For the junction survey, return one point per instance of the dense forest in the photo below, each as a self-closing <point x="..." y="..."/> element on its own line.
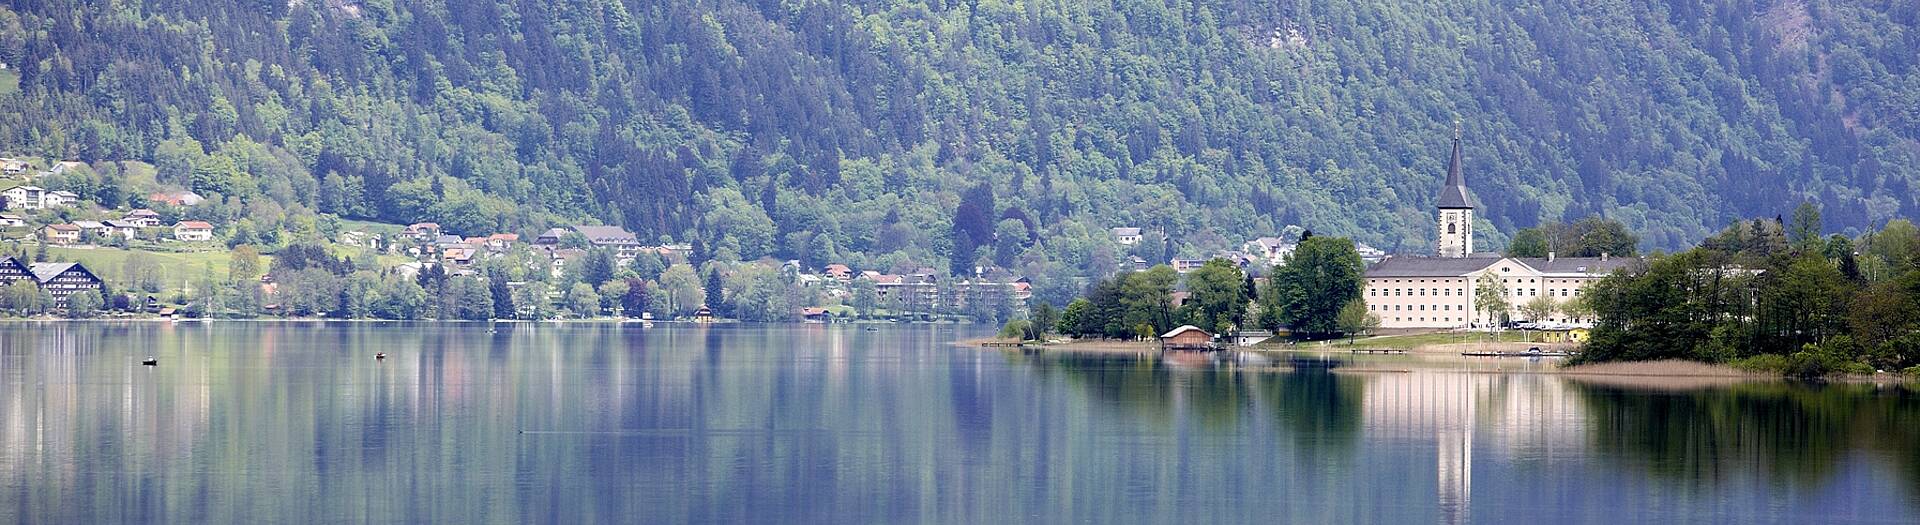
<point x="851" y="130"/>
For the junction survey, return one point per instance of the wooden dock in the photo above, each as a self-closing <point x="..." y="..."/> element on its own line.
<point x="1378" y="351"/>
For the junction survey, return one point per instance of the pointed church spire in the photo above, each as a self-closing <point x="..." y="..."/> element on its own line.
<point x="1454" y="194"/>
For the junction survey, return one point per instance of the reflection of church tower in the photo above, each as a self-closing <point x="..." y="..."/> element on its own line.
<point x="1456" y="212"/>
<point x="1454" y="470"/>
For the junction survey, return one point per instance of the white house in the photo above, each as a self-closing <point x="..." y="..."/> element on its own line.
<point x="23" y="197"/>
<point x="1272" y="250"/>
<point x="56" y="199"/>
<point x="144" y="217"/>
<point x="12" y="221"/>
<point x="1126" y="236"/>
<point x="193" y="231"/>
<point x="126" y="229"/>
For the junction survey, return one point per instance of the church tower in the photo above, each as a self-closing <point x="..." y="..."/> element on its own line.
<point x="1456" y="212"/>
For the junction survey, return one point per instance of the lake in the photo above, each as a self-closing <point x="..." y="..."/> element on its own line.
<point x="581" y="423"/>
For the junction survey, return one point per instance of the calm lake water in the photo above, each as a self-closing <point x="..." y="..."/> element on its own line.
<point x="296" y="422"/>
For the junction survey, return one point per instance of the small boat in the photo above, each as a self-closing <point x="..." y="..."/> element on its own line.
<point x="150" y="361"/>
<point x="380" y="355"/>
<point x="872" y="329"/>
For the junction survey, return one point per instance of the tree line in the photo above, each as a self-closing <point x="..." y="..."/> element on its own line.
<point x="1771" y="294"/>
<point x="1316" y="293"/>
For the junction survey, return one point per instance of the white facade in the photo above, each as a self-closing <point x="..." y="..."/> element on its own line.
<point x="1455" y="237"/>
<point x="23" y="197"/>
<point x="1439" y="292"/>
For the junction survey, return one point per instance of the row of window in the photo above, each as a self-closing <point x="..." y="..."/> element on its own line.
<point x="1410" y="307"/>
<point x="1448" y="292"/>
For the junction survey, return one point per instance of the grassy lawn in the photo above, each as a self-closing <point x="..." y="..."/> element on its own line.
<point x="176" y="269"/>
<point x="1441" y="338"/>
<point x="347" y="225"/>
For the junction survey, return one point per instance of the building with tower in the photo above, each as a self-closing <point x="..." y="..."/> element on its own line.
<point x="1438" y="291"/>
<point x="1455" y="238"/>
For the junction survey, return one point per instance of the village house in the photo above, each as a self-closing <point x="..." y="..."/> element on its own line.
<point x="66" y="166"/>
<point x="1272" y="251"/>
<point x="1439" y="292"/>
<point x="624" y="243"/>
<point x="458" y="255"/>
<point x="61" y="234"/>
<point x="23" y="197"/>
<point x="58" y="199"/>
<point x="1126" y="236"/>
<point x="124" y="229"/>
<point x="9" y="220"/>
<point x="550" y="237"/>
<point x="193" y="231"/>
<point x="144" y="217"/>
<point x="563" y="256"/>
<point x="1187" y="265"/>
<point x="839" y="272"/>
<point x="12" y="166"/>
<point x="501" y="242"/>
<point x="177" y="198"/>
<point x="422" y="231"/>
<point x="93" y="228"/>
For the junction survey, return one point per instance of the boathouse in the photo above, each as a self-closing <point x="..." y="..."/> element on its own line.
<point x="1187" y="337"/>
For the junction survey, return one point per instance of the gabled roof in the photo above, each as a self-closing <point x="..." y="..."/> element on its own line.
<point x="63" y="227"/>
<point x="1430" y="266"/>
<point x="1126" y="232"/>
<point x="89" y="225"/>
<point x="122" y="224"/>
<point x="44" y="272"/>
<point x="1184" y="329"/>
<point x="193" y="225"/>
<point x="1454" y="193"/>
<point x="601" y="234"/>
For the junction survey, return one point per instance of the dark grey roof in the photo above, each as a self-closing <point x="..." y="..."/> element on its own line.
<point x="1576" y="264"/>
<point x="1429" y="266"/>
<point x="606" y="234"/>
<point x="1454" y="194"/>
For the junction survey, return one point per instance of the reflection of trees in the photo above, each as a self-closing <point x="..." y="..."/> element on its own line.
<point x="1321" y="410"/>
<point x="1316" y="407"/>
<point x="1798" y="432"/>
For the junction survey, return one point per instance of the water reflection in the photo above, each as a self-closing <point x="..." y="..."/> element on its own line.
<point x="540" y="423"/>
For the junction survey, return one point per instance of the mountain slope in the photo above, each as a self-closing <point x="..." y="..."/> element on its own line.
<point x="808" y="129"/>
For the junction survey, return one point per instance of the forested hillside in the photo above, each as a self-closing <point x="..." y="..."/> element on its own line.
<point x="850" y="130"/>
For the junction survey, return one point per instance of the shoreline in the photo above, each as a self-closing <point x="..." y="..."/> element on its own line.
<point x="1666" y="374"/>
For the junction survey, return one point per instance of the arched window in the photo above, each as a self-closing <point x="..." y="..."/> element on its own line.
<point x="1450" y="228"/>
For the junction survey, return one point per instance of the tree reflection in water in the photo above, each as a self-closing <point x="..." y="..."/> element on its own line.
<point x="1796" y="433"/>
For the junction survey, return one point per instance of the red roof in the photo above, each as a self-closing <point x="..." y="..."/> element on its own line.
<point x="193" y="225"/>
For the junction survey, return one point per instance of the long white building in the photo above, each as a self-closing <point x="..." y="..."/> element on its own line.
<point x="1438" y="292"/>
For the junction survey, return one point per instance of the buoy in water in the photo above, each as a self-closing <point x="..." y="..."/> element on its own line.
<point x="150" y="361"/>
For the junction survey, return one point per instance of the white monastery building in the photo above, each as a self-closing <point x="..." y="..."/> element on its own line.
<point x="1438" y="292"/>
